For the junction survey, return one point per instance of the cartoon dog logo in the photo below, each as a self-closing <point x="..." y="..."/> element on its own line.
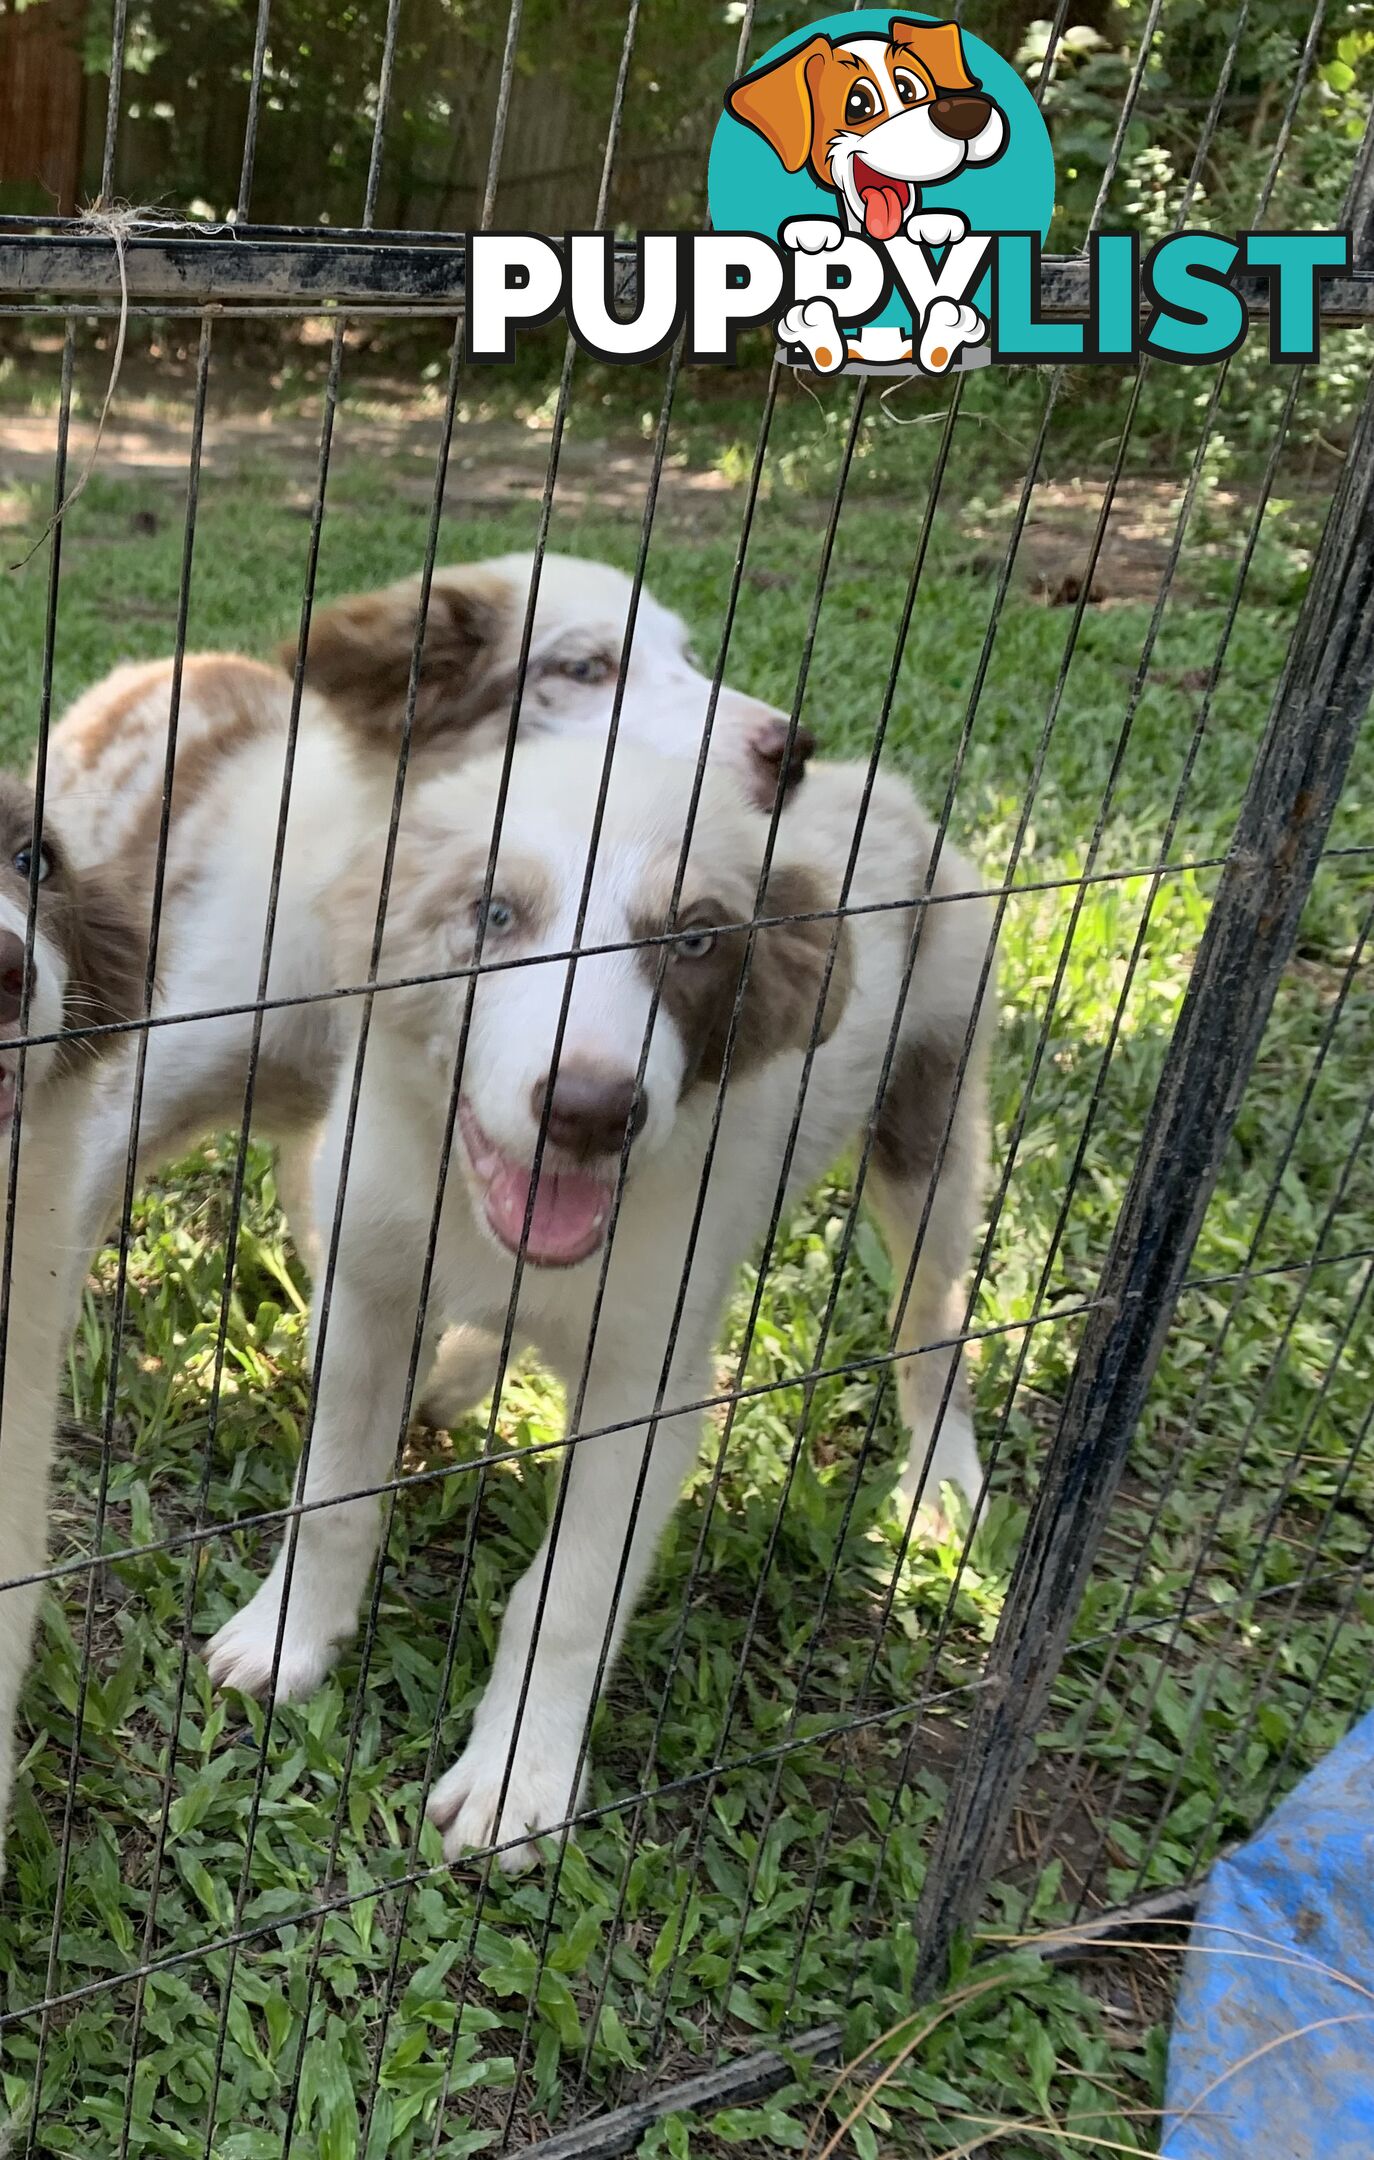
<point x="875" y="120"/>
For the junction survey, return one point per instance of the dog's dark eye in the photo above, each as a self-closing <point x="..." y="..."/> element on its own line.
<point x="595" y="668"/>
<point x="23" y="863"/>
<point x="861" y="104"/>
<point x="906" y="86"/>
<point x="695" y="944"/>
<point x="496" y="916"/>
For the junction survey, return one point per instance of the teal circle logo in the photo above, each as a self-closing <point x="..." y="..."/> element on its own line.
<point x="887" y="128"/>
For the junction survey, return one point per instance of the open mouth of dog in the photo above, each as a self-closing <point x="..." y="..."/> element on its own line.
<point x="572" y="1206"/>
<point x="887" y="203"/>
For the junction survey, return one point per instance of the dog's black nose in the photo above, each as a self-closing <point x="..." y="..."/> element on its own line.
<point x="12" y="976"/>
<point x="591" y="1109"/>
<point x="962" y="114"/>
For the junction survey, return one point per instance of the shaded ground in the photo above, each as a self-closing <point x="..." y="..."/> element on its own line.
<point x="498" y="464"/>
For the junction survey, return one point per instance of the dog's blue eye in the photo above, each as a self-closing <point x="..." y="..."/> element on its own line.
<point x="23" y="863"/>
<point x="497" y="915"/>
<point x="594" y="669"/>
<point x="695" y="944"/>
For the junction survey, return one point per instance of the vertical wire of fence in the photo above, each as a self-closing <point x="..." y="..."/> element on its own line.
<point x="1292" y="796"/>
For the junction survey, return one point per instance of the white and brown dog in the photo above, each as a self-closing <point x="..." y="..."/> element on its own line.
<point x="875" y="120"/>
<point x="106" y="766"/>
<point x="82" y="968"/>
<point x="618" y="1058"/>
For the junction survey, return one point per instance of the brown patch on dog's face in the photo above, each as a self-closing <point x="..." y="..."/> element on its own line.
<point x="360" y="651"/>
<point x="87" y="916"/>
<point x="781" y="754"/>
<point x="821" y="90"/>
<point x="444" y="905"/>
<point x="107" y="958"/>
<point x="433" y="915"/>
<point x="786" y="972"/>
<point x="936" y="49"/>
<point x="848" y="99"/>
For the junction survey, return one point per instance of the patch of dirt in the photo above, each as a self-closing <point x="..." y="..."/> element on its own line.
<point x="1135" y="548"/>
<point x="1135" y="1988"/>
<point x="493" y="462"/>
<point x="1072" y="1826"/>
<point x="496" y="464"/>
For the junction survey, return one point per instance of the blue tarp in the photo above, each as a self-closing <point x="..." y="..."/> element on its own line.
<point x="1272" y="2056"/>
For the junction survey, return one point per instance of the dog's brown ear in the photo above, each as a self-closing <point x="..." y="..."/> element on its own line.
<point x="779" y="754"/>
<point x="777" y="102"/>
<point x="359" y="656"/>
<point x="106" y="939"/>
<point x="787" y="974"/>
<point x="939" y="48"/>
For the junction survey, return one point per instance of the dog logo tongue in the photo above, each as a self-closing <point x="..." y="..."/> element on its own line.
<point x="883" y="207"/>
<point x="885" y="200"/>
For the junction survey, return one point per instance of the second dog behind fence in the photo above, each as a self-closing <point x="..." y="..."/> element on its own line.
<point x="639" y="1053"/>
<point x="69" y="960"/>
<point x="230" y="777"/>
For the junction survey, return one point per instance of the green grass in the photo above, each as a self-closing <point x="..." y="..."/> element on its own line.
<point x="1173" y="1743"/>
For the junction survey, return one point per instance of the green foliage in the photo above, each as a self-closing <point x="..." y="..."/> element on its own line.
<point x="1270" y="158"/>
<point x="188" y="64"/>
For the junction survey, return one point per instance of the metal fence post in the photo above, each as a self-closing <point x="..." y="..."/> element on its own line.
<point x="1322" y="697"/>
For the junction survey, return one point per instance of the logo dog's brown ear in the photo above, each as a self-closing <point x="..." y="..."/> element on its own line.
<point x="777" y="102"/>
<point x="106" y="939"/>
<point x="940" y="50"/>
<point x="359" y="656"/>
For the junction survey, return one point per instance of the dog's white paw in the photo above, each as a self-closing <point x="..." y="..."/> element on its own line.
<point x="243" y="1656"/>
<point x="936" y="228"/>
<point x="541" y="1792"/>
<point x="812" y="235"/>
<point x="464" y="1374"/>
<point x="814" y="325"/>
<point x="932" y="1524"/>
<point x="949" y="326"/>
<point x="944" y="1498"/>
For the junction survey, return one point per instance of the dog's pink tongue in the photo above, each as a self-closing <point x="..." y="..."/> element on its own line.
<point x="569" y="1218"/>
<point x="883" y="207"/>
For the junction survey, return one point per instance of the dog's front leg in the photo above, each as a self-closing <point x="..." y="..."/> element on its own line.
<point x="364" y="1370"/>
<point x="522" y="1771"/>
<point x="24" y="1452"/>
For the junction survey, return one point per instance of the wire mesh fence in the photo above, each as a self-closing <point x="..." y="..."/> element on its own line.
<point x="836" y="1724"/>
